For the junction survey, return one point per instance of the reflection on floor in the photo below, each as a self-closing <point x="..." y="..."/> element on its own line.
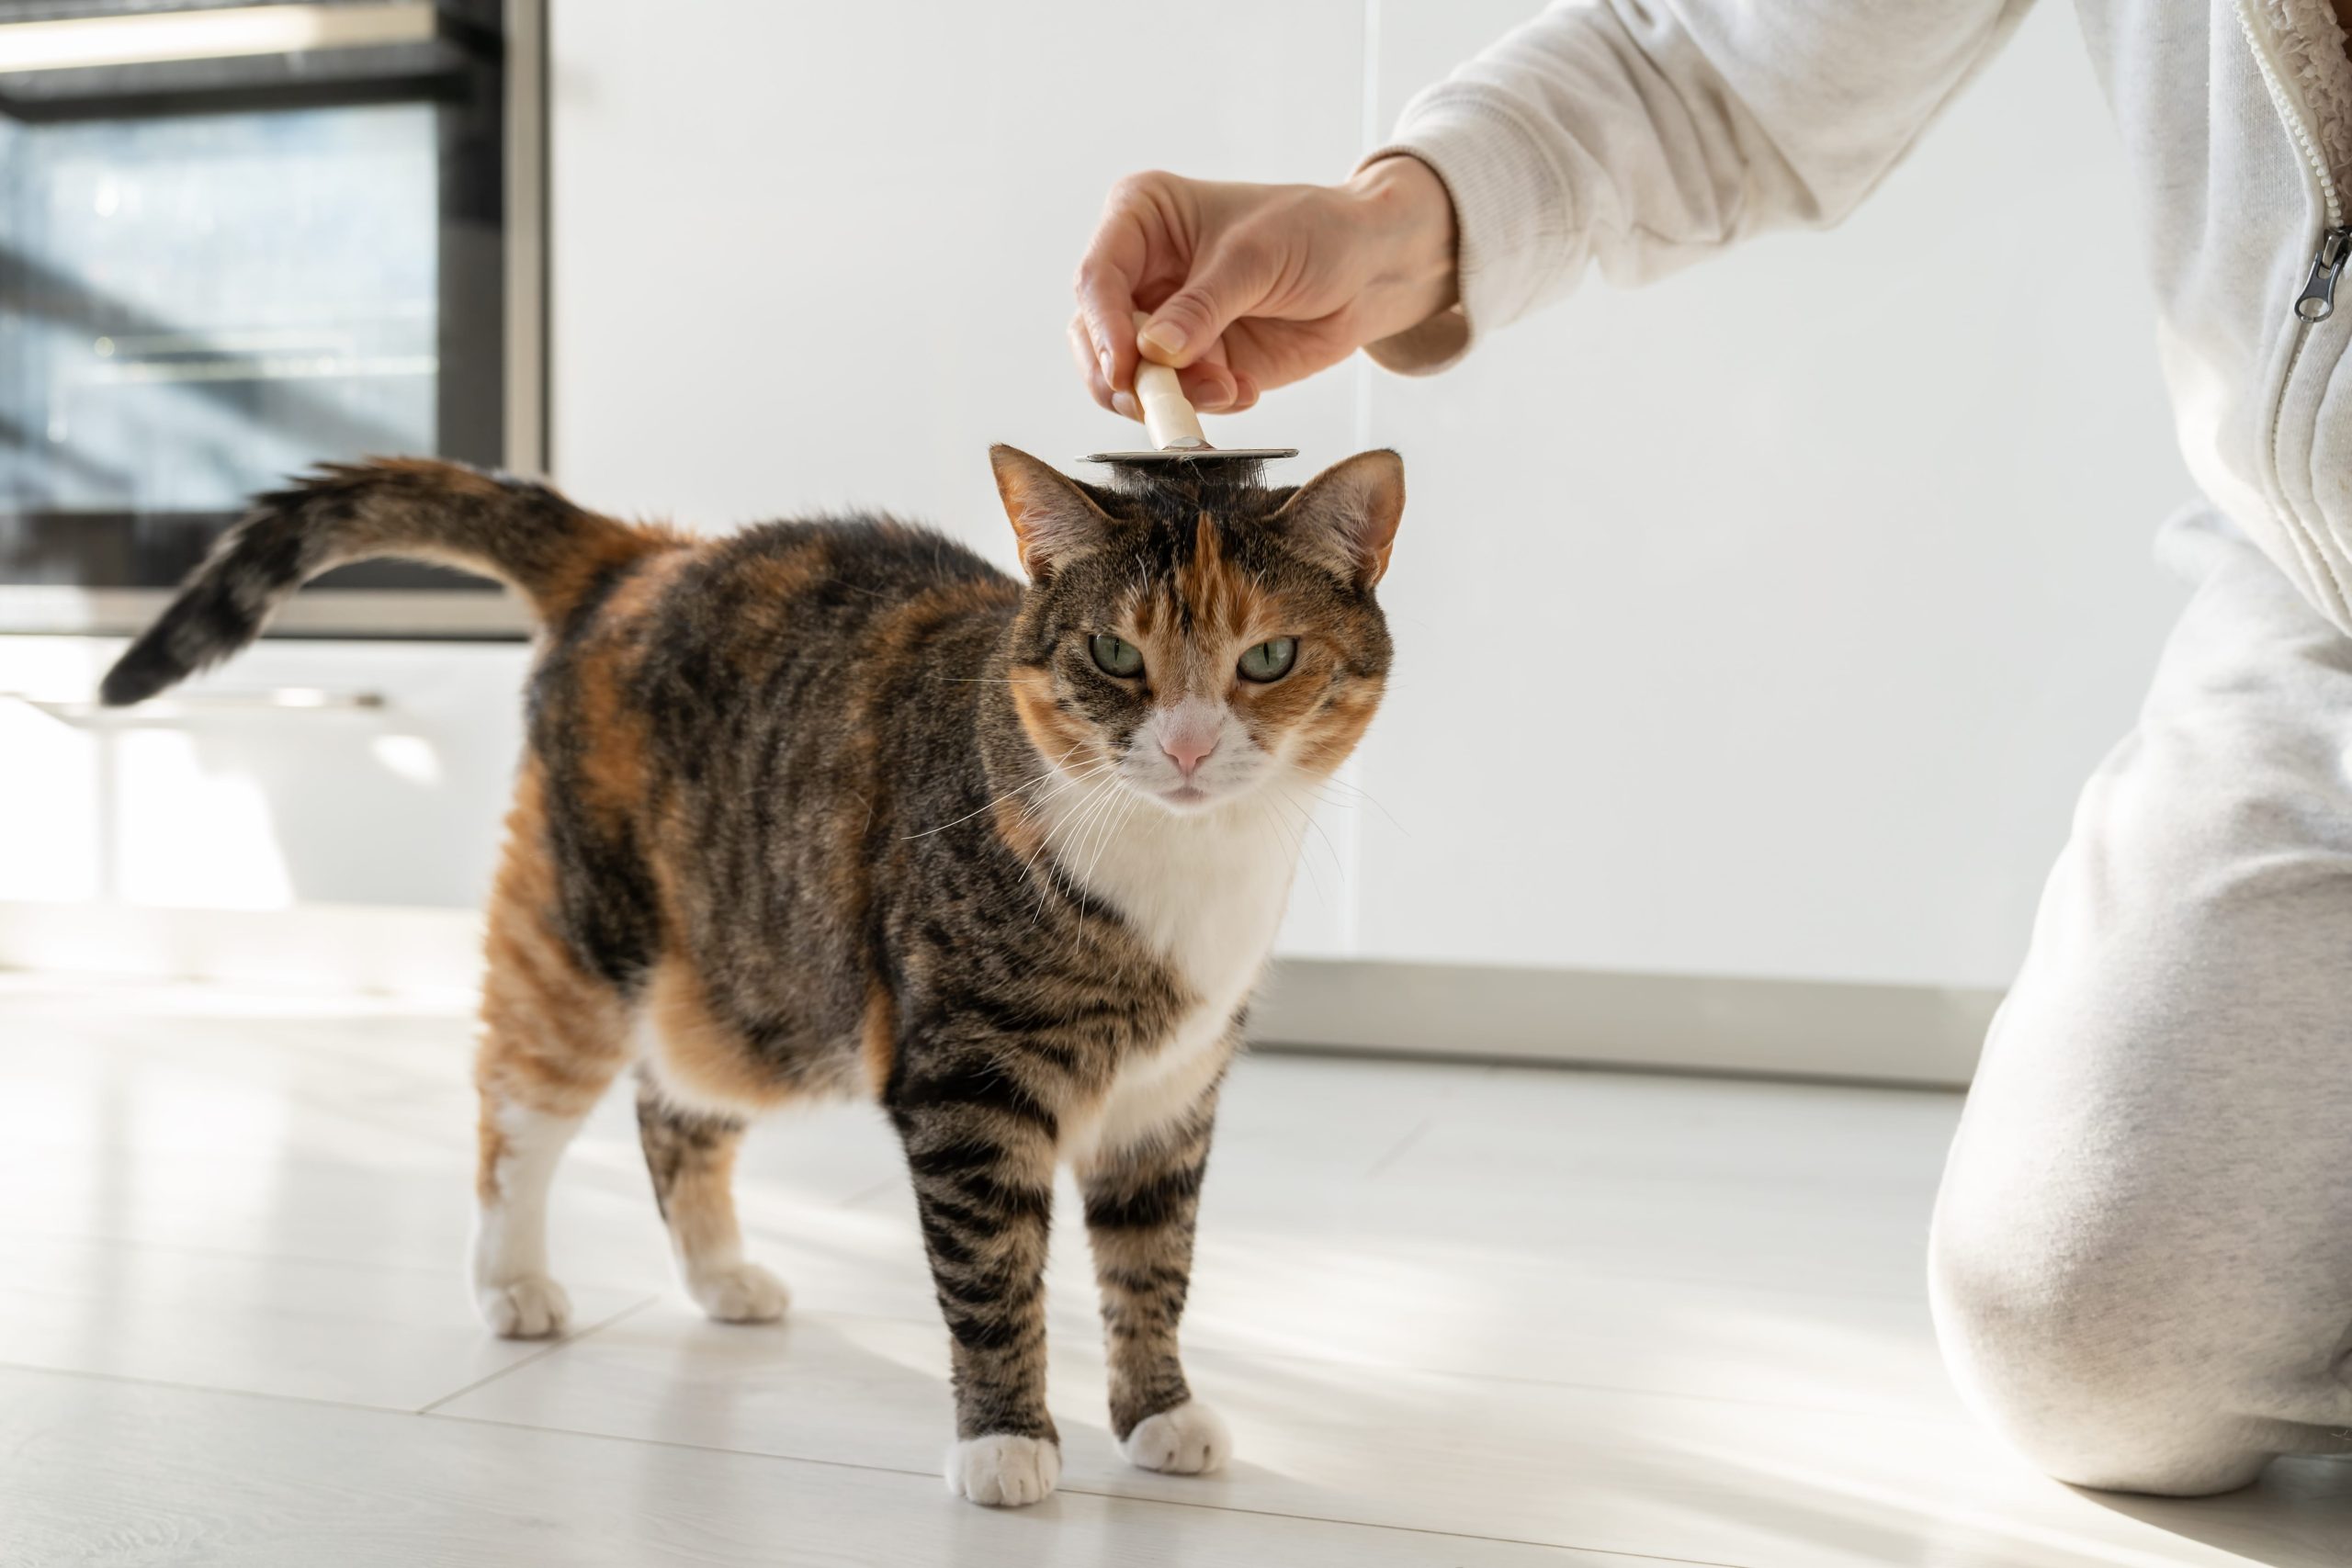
<point x="1455" y="1314"/>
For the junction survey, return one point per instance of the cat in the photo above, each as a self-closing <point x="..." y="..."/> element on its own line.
<point x="837" y="808"/>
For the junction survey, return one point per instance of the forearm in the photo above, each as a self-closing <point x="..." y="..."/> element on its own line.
<point x="1406" y="215"/>
<point x="1639" y="140"/>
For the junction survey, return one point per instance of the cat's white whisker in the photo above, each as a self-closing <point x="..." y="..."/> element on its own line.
<point x="1050" y="770"/>
<point x="1087" y="804"/>
<point x="1098" y="808"/>
<point x="1359" y="794"/>
<point x="1115" y="822"/>
<point x="1311" y="821"/>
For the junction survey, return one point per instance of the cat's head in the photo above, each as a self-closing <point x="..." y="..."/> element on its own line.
<point x="1194" y="632"/>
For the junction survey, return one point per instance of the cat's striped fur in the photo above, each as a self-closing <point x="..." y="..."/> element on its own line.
<point x="836" y="808"/>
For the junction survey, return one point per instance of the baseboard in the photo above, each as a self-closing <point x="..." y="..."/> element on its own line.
<point x="1816" y="1029"/>
<point x="1907" y="1034"/>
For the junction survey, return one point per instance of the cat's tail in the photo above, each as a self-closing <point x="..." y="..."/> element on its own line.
<point x="520" y="532"/>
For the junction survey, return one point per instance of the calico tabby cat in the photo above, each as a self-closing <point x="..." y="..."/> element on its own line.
<point x="837" y="808"/>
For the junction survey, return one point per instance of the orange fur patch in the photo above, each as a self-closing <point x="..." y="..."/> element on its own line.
<point x="700" y="1057"/>
<point x="612" y="760"/>
<point x="608" y="544"/>
<point x="553" y="1035"/>
<point x="493" y="1149"/>
<point x="878" y="1038"/>
<point x="1334" y="732"/>
<point x="779" y="580"/>
<point x="1225" y="602"/>
<point x="700" y="1205"/>
<point x="1059" y="737"/>
<point x="613" y="745"/>
<point x="1226" y="610"/>
<point x="1017" y="826"/>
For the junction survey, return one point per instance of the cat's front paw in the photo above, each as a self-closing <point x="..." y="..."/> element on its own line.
<point x="533" y="1307"/>
<point x="738" y="1293"/>
<point x="1003" y="1470"/>
<point x="1189" y="1439"/>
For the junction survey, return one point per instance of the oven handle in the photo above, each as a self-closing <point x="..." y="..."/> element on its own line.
<point x="139" y="63"/>
<point x="150" y="37"/>
<point x="208" y="704"/>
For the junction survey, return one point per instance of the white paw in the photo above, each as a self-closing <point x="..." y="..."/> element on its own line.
<point x="531" y="1308"/>
<point x="1187" y="1440"/>
<point x="738" y="1293"/>
<point x="1002" y="1470"/>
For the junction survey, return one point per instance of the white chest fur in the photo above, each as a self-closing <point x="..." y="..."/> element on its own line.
<point x="1207" y="892"/>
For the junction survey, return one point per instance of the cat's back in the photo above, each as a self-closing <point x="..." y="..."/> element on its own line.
<point x="791" y="587"/>
<point x="738" y="664"/>
<point x="778" y="623"/>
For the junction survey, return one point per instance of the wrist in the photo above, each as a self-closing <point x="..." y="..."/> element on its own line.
<point x="1407" y="218"/>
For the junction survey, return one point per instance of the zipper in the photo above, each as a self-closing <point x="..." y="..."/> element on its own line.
<point x="2314" y="304"/>
<point x="2317" y="301"/>
<point x="2313" y="159"/>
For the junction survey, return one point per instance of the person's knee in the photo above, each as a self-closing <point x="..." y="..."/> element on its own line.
<point x="2099" y="1374"/>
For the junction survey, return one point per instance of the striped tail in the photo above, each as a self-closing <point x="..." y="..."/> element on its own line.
<point x="522" y="533"/>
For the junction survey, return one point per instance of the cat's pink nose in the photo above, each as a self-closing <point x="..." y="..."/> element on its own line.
<point x="1188" y="747"/>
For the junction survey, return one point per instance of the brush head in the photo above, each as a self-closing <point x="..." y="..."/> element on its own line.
<point x="1233" y="486"/>
<point x="1195" y="454"/>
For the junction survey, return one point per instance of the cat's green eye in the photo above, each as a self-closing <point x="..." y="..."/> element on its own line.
<point x="1115" y="656"/>
<point x="1270" y="661"/>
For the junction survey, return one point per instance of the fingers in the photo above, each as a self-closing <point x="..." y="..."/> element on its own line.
<point x="1226" y="284"/>
<point x="1107" y="277"/>
<point x="1153" y="238"/>
<point x="1090" y="366"/>
<point x="1209" y="385"/>
<point x="1207" y="392"/>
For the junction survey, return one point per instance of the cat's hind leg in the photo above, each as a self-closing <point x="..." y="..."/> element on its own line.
<point x="691" y="1157"/>
<point x="553" y="1038"/>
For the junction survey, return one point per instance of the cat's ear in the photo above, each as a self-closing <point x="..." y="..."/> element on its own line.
<point x="1345" y="517"/>
<point x="1052" y="516"/>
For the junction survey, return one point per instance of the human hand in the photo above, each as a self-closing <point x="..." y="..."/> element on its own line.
<point x="1251" y="287"/>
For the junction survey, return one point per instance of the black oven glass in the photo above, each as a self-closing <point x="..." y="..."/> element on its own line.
<point x="214" y="279"/>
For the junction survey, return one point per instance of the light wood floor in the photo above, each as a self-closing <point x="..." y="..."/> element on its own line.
<point x="1455" y="1314"/>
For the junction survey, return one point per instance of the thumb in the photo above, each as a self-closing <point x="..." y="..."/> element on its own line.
<point x="1226" y="286"/>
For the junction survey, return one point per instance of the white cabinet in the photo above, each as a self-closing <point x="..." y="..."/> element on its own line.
<point x="302" y="772"/>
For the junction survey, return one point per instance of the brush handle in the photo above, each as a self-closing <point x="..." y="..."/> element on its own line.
<point x="1167" y="415"/>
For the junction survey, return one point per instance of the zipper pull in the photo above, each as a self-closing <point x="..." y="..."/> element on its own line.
<point x="2317" y="301"/>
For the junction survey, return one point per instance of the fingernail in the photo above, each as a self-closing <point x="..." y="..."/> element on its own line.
<point x="1210" y="401"/>
<point x="1164" y="337"/>
<point x="1102" y="357"/>
<point x="1124" y="402"/>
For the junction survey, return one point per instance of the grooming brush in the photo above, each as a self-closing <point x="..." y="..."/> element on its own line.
<point x="1175" y="429"/>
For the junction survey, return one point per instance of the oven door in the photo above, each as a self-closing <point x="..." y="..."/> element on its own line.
<point x="238" y="240"/>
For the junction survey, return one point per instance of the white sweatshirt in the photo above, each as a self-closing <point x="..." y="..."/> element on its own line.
<point x="1642" y="134"/>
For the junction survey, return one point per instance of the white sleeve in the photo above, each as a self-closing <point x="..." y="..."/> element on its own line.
<point x="1642" y="134"/>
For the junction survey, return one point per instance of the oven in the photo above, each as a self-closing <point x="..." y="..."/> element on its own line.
<point x="239" y="240"/>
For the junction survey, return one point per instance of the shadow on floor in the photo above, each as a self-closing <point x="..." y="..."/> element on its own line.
<point x="2299" y="1512"/>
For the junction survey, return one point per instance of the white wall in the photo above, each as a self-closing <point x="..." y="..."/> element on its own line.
<point x="1823" y="569"/>
<point x="1759" y="624"/>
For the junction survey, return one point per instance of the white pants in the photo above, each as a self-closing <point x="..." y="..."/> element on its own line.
<point x="2142" y="1263"/>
